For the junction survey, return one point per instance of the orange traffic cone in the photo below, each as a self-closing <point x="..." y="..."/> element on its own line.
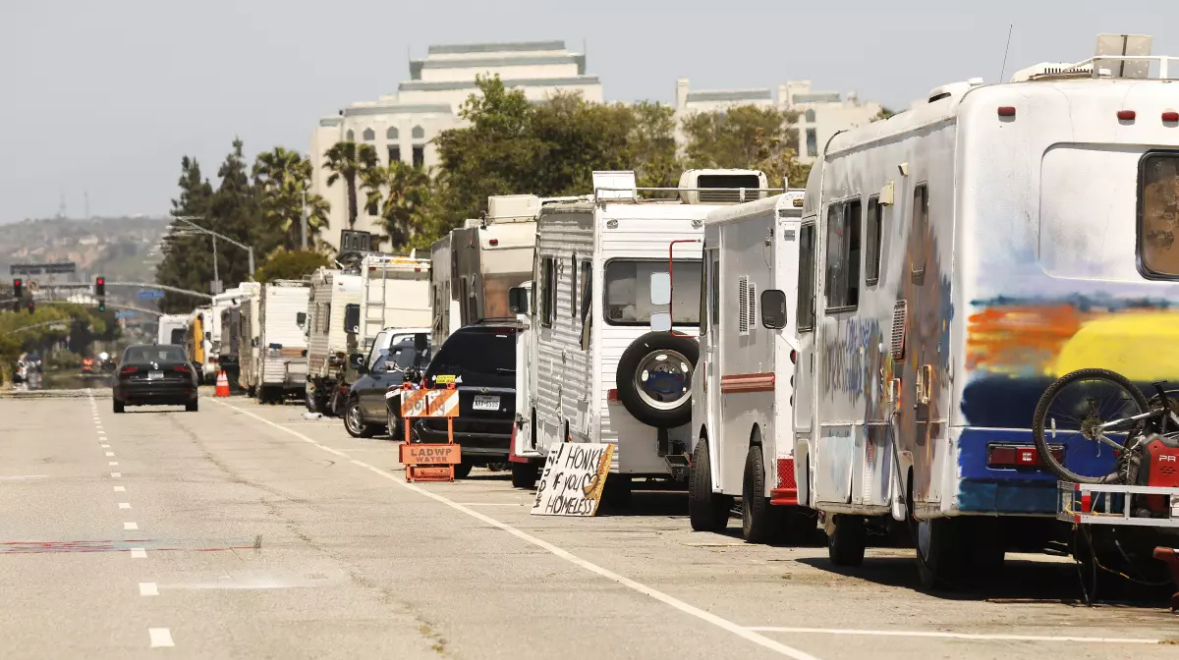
<point x="222" y="384"/>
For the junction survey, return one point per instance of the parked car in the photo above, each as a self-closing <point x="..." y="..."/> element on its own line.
<point x="480" y="359"/>
<point x="365" y="413"/>
<point x="155" y="375"/>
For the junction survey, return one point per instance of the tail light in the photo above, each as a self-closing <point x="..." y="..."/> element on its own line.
<point x="183" y="368"/>
<point x="127" y="371"/>
<point x="1016" y="456"/>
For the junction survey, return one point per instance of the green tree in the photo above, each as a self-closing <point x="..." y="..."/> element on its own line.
<point x="403" y="197"/>
<point x="652" y="145"/>
<point x="294" y="265"/>
<point x="183" y="253"/>
<point x="348" y="161"/>
<point x="747" y="136"/>
<point x="884" y="113"/>
<point x="282" y="179"/>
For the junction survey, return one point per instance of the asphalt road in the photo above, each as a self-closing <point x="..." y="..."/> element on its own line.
<point x="246" y="531"/>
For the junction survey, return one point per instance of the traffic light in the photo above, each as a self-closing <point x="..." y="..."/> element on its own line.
<point x="18" y="288"/>
<point x="101" y="305"/>
<point x="100" y="286"/>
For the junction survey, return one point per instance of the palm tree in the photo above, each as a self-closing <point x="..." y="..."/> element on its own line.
<point x="283" y="178"/>
<point x="407" y="203"/>
<point x="347" y="160"/>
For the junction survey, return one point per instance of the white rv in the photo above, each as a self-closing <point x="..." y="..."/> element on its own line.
<point x="172" y="329"/>
<point x="742" y="394"/>
<point x="248" y="330"/>
<point x="395" y="291"/>
<point x="967" y="252"/>
<point x="282" y="342"/>
<point x="477" y="264"/>
<point x="603" y="374"/>
<point x="329" y="342"/>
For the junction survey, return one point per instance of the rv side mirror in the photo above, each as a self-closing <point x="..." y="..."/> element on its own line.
<point x="773" y="309"/>
<point x="301" y="320"/>
<point x="660" y="289"/>
<point x="352" y="319"/>
<point x="421" y="342"/>
<point x="518" y="300"/>
<point x="660" y="322"/>
<point x="208" y="336"/>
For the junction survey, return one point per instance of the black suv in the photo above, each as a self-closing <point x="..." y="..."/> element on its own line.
<point x="480" y="360"/>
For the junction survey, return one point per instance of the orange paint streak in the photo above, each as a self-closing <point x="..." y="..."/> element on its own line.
<point x="1011" y="339"/>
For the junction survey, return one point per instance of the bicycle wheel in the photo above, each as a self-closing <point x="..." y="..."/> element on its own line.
<point x="1078" y="405"/>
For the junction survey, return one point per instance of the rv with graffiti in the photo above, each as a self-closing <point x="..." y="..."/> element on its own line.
<point x="742" y="395"/>
<point x="967" y="253"/>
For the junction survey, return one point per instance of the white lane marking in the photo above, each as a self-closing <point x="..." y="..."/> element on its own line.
<point x="138" y="553"/>
<point x="124" y="505"/>
<point x="160" y="637"/>
<point x="24" y="477"/>
<point x="120" y="489"/>
<point x="130" y="526"/>
<point x="110" y="454"/>
<point x="116" y="475"/>
<point x="951" y="635"/>
<point x="488" y="504"/>
<point x="709" y="617"/>
<point x="113" y="463"/>
<point x="105" y="446"/>
<point x="148" y="589"/>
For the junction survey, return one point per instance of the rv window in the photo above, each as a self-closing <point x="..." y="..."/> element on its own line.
<point x="874" y="240"/>
<point x="549" y="302"/>
<point x="586" y="289"/>
<point x="627" y="298"/>
<point x="806" y="278"/>
<point x="920" y="228"/>
<point x="1158" y="214"/>
<point x="704" y="299"/>
<point x="573" y="286"/>
<point x="178" y="336"/>
<point x="714" y="289"/>
<point x="843" y="255"/>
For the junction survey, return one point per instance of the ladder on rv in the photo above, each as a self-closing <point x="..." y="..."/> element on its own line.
<point x="375" y="294"/>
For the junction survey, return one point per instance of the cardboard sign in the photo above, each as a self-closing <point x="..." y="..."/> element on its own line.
<point x="429" y="403"/>
<point x="419" y="454"/>
<point x="573" y="478"/>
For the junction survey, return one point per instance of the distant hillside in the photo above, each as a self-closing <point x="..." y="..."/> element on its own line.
<point x="125" y="249"/>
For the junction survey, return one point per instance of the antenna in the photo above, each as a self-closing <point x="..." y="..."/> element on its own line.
<point x="1003" y="71"/>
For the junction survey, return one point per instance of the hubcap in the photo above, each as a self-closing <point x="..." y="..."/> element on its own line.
<point x="354" y="417"/>
<point x="663" y="379"/>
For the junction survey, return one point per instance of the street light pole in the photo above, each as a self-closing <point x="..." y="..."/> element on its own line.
<point x="188" y="221"/>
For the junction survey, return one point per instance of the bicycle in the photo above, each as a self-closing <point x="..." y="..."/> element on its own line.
<point x="1104" y="408"/>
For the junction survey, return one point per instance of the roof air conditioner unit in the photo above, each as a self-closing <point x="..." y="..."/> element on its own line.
<point x="506" y="208"/>
<point x="722" y="186"/>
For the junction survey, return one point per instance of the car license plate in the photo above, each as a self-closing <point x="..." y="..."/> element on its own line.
<point x="486" y="403"/>
<point x="155" y="375"/>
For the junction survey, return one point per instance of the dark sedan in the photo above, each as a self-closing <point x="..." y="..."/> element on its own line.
<point x="366" y="414"/>
<point x="154" y="376"/>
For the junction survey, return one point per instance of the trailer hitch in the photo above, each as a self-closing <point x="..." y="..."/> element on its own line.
<point x="1170" y="557"/>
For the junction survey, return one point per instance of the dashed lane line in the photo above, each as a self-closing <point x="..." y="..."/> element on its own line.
<point x="148" y="589"/>
<point x="116" y="475"/>
<point x="130" y="526"/>
<point x="120" y="489"/>
<point x="138" y="553"/>
<point x="160" y="637"/>
<point x="709" y="617"/>
<point x="124" y="505"/>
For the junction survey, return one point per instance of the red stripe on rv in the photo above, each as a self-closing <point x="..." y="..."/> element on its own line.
<point x="740" y="383"/>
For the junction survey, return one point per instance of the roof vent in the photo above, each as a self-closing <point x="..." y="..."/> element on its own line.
<point x="512" y="208"/>
<point x="722" y="186"/>
<point x="1052" y="71"/>
<point x="952" y="89"/>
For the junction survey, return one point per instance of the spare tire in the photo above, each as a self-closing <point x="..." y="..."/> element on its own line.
<point x="655" y="379"/>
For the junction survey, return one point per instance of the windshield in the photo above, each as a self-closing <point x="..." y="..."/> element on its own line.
<point x="477" y="351"/>
<point x="628" y="291"/>
<point x="404" y="356"/>
<point x="149" y="354"/>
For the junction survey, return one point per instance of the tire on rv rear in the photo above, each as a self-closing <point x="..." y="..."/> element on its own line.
<point x="654" y="379"/>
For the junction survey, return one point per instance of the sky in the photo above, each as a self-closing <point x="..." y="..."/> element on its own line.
<point x="106" y="97"/>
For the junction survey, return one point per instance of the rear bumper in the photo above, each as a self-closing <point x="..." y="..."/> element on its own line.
<point x="484" y="438"/>
<point x="156" y="395"/>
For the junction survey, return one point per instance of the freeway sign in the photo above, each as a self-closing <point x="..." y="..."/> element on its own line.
<point x="150" y="294"/>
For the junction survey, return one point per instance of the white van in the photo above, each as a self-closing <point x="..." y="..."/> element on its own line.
<point x="603" y="375"/>
<point x="395" y="291"/>
<point x="172" y="329"/>
<point x="742" y="394"/>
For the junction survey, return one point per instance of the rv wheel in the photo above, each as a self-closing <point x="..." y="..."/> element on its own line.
<point x="847" y="541"/>
<point x="655" y="376"/>
<point x="707" y="511"/>
<point x="761" y="522"/>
